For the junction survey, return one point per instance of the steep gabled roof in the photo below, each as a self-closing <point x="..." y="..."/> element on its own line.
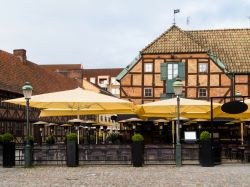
<point x="172" y="41"/>
<point x="14" y="72"/>
<point x="230" y="46"/>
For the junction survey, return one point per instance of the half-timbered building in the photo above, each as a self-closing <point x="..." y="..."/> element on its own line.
<point x="210" y="63"/>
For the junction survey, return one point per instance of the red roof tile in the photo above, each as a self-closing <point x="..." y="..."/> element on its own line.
<point x="55" y="67"/>
<point x="15" y="71"/>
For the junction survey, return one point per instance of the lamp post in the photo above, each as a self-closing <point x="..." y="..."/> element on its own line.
<point x="178" y="86"/>
<point x="27" y="92"/>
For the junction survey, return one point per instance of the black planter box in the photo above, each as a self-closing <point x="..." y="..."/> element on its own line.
<point x="72" y="153"/>
<point x="9" y="154"/>
<point x="206" y="153"/>
<point x="138" y="154"/>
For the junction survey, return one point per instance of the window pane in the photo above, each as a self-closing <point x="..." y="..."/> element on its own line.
<point x="202" y="92"/>
<point x="175" y="73"/>
<point x="203" y="67"/>
<point x="148" y="92"/>
<point x="148" y="67"/>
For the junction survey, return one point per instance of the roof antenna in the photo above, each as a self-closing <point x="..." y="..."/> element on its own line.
<point x="188" y="20"/>
<point x="175" y="12"/>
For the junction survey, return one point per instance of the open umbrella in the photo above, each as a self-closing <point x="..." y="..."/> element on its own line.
<point x="189" y="108"/>
<point x="40" y="123"/>
<point x="76" y="100"/>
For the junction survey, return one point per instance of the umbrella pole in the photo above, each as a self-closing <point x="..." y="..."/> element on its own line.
<point x="78" y="133"/>
<point x="173" y="132"/>
<point x="242" y="133"/>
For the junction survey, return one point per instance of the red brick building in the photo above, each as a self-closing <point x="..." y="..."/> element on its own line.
<point x="15" y="70"/>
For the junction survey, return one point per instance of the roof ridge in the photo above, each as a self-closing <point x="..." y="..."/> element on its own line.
<point x="100" y="68"/>
<point x="225" y="29"/>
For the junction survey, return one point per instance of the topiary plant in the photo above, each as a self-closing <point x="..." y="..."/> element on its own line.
<point x="205" y="135"/>
<point x="7" y="137"/>
<point x="71" y="136"/>
<point x="137" y="137"/>
<point x="51" y="139"/>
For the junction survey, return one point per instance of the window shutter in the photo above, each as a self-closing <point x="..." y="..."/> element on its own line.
<point x="181" y="70"/>
<point x="164" y="71"/>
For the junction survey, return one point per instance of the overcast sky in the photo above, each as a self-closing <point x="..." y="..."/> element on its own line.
<point x="105" y="33"/>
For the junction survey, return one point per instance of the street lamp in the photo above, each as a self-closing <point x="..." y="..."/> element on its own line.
<point x="27" y="92"/>
<point x="178" y="86"/>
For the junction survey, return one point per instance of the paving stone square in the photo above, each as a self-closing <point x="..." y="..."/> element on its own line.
<point x="126" y="176"/>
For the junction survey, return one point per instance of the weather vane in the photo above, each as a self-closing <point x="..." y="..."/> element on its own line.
<point x="175" y="12"/>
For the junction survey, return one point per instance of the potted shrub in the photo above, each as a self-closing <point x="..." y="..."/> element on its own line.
<point x="8" y="150"/>
<point x="30" y="139"/>
<point x="137" y="150"/>
<point x="206" y="150"/>
<point x="72" y="150"/>
<point x="50" y="140"/>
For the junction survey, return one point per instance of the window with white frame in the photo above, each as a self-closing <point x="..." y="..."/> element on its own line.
<point x="202" y="92"/>
<point x="115" y="91"/>
<point x="114" y="81"/>
<point x="148" y="67"/>
<point x="203" y="67"/>
<point x="148" y="92"/>
<point x="172" y="71"/>
<point x="92" y="79"/>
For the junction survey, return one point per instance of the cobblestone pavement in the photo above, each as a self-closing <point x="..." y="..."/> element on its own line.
<point x="223" y="175"/>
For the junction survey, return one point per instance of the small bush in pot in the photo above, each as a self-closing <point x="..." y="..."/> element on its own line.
<point x="206" y="150"/>
<point x="7" y="137"/>
<point x="8" y="150"/>
<point x="205" y="135"/>
<point x="137" y="137"/>
<point x="71" y="136"/>
<point x="72" y="150"/>
<point x="137" y="150"/>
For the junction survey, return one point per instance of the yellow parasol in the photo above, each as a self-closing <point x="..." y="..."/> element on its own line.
<point x="76" y="100"/>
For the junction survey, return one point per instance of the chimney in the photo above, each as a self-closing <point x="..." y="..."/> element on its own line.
<point x="20" y="53"/>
